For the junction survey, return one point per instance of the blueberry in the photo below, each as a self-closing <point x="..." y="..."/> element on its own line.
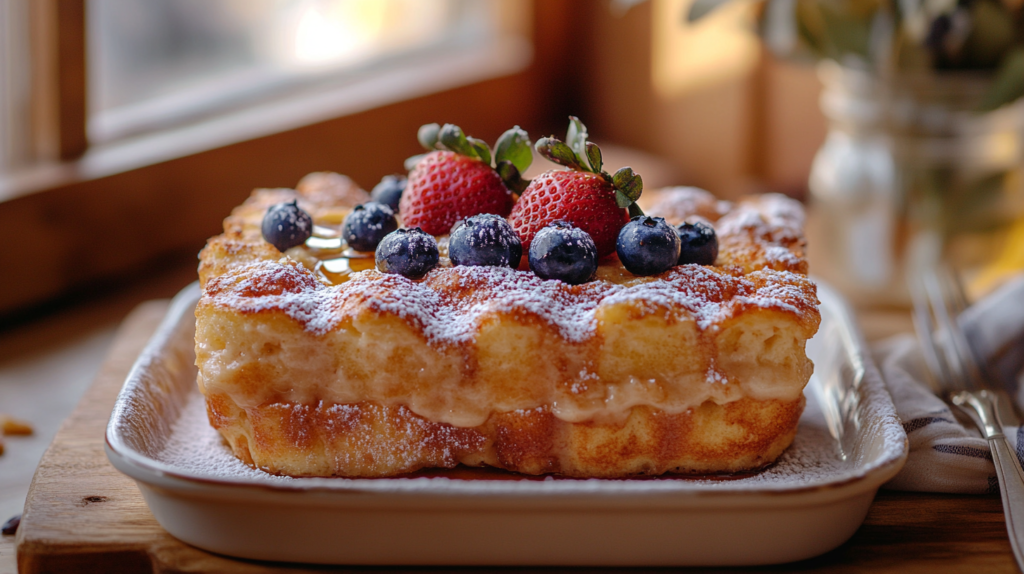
<point x="367" y="225"/>
<point x="408" y="252"/>
<point x="647" y="245"/>
<point x="699" y="243"/>
<point x="562" y="251"/>
<point x="389" y="191"/>
<point x="286" y="225"/>
<point x="485" y="239"/>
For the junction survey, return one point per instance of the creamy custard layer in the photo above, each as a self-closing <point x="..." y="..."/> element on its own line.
<point x="465" y="343"/>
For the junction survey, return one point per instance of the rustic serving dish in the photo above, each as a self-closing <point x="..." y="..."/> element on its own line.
<point x="812" y="500"/>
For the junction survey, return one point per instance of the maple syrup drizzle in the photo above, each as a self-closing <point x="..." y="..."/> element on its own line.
<point x="336" y="261"/>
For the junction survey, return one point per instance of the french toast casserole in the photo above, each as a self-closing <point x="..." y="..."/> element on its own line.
<point x="311" y="370"/>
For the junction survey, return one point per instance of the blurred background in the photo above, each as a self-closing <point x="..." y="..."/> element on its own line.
<point x="128" y="130"/>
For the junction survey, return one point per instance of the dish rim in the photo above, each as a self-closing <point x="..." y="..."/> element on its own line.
<point x="679" y="491"/>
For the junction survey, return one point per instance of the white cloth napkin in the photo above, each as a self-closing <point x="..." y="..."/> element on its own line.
<point x="947" y="453"/>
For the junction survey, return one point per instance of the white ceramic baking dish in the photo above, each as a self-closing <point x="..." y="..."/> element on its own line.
<point x="849" y="443"/>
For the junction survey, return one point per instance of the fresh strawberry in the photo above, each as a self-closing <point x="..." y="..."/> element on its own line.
<point x="584" y="195"/>
<point x="445" y="187"/>
<point x="456" y="179"/>
<point x="584" y="199"/>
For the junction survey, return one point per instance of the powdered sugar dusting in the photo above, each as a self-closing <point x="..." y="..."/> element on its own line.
<point x="448" y="304"/>
<point x="772" y="217"/>
<point x="714" y="375"/>
<point x="681" y="203"/>
<point x="277" y="285"/>
<point x="763" y="231"/>
<point x="776" y="254"/>
<point x="195" y="447"/>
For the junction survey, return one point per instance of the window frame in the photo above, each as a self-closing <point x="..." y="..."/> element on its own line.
<point x="87" y="215"/>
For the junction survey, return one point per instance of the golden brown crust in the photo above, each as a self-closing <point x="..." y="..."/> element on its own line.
<point x="369" y="439"/>
<point x="696" y="370"/>
<point x="328" y="188"/>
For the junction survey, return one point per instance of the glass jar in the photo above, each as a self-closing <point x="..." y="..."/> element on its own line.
<point x="909" y="174"/>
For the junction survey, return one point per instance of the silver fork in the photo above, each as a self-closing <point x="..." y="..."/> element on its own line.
<point x="958" y="378"/>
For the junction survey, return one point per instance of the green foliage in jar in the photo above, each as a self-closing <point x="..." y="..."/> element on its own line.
<point x="899" y="36"/>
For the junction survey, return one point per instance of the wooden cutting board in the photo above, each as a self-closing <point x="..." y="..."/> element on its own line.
<point x="82" y="515"/>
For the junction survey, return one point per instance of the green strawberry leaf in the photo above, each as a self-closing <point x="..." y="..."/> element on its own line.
<point x="480" y="149"/>
<point x="576" y="138"/>
<point x="411" y="162"/>
<point x="452" y="138"/>
<point x="511" y="176"/>
<point x="594" y="157"/>
<point x="427" y="136"/>
<point x="514" y="146"/>
<point x="634" y="210"/>
<point x="556" y="151"/>
<point x="630" y="184"/>
<point x="622" y="200"/>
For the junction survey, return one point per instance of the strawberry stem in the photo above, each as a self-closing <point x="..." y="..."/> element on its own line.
<point x="582" y="155"/>
<point x="512" y="155"/>
<point x="514" y="146"/>
<point x="427" y="136"/>
<point x="557" y="151"/>
<point x="511" y="176"/>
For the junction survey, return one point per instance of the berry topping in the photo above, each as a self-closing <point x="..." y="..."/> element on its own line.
<point x="583" y="199"/>
<point x="698" y="243"/>
<point x="486" y="240"/>
<point x="647" y="245"/>
<point x="408" y="252"/>
<point x="367" y="224"/>
<point x="460" y="177"/>
<point x="389" y="191"/>
<point x="562" y="251"/>
<point x="286" y="225"/>
<point x="585" y="196"/>
<point x="445" y="187"/>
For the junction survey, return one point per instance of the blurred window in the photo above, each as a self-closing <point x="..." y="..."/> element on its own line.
<point x="687" y="57"/>
<point x="15" y="84"/>
<point x="158" y="63"/>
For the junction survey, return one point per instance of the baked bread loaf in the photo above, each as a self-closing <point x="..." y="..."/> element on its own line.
<point x="698" y="370"/>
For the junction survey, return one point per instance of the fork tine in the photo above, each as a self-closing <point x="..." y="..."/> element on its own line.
<point x="958" y="299"/>
<point x="956" y="286"/>
<point x="937" y="303"/>
<point x="924" y="323"/>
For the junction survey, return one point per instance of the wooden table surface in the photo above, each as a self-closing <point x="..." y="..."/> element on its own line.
<point x="84" y="516"/>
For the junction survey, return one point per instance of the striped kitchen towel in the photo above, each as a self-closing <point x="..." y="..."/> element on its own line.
<point x="947" y="454"/>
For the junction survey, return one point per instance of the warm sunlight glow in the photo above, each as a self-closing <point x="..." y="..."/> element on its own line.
<point x="331" y="32"/>
<point x="687" y="56"/>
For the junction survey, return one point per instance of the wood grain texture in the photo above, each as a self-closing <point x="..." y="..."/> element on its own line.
<point x="75" y="489"/>
<point x="84" y="516"/>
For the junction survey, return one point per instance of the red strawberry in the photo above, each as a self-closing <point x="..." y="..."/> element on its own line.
<point x="584" y="199"/>
<point x="457" y="181"/>
<point x="585" y="196"/>
<point x="445" y="187"/>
